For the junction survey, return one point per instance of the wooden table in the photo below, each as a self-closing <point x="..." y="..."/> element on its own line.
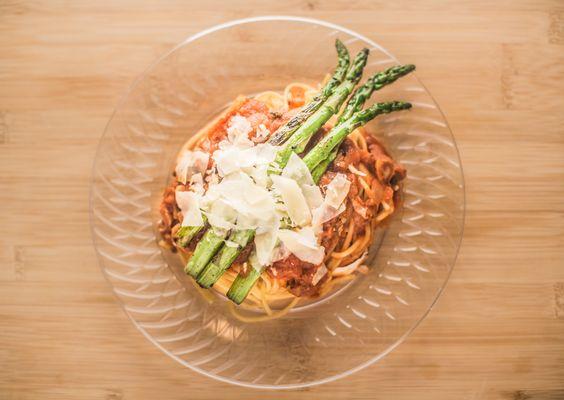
<point x="496" y="69"/>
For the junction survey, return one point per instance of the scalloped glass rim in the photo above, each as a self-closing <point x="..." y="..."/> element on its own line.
<point x="195" y="37"/>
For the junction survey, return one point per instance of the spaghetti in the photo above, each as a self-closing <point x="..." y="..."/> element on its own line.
<point x="373" y="196"/>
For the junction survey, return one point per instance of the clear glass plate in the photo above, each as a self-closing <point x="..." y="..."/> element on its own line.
<point x="311" y="345"/>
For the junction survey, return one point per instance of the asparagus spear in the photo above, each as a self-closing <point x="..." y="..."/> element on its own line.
<point x="356" y="102"/>
<point x="284" y="132"/>
<point x="205" y="250"/>
<point x="341" y="70"/>
<point x="225" y="258"/>
<point x="325" y="147"/>
<point x="186" y="233"/>
<point x="316" y="156"/>
<point x="320" y="169"/>
<point x="298" y="141"/>
<point x="241" y="286"/>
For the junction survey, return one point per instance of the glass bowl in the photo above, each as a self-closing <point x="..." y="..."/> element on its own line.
<point x="175" y="97"/>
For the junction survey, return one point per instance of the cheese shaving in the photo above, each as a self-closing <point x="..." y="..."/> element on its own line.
<point x="197" y="184"/>
<point x="335" y="194"/>
<point x="313" y="196"/>
<point x="190" y="163"/>
<point x="255" y="262"/>
<point x="293" y="198"/>
<point x="189" y="204"/>
<point x="297" y="171"/>
<point x="233" y="158"/>
<point x="238" y="131"/>
<point x="303" y="244"/>
<point x="265" y="242"/>
<point x="244" y="204"/>
<point x="320" y="273"/>
<point x="280" y="252"/>
<point x="221" y="215"/>
<point x="337" y="190"/>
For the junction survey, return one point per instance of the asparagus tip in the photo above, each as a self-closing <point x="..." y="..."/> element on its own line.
<point x="400" y="105"/>
<point x="355" y="72"/>
<point x="339" y="45"/>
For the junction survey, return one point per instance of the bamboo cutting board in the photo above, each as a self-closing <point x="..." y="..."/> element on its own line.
<point x="496" y="69"/>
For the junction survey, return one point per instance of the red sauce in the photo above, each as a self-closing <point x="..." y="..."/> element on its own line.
<point x="296" y="274"/>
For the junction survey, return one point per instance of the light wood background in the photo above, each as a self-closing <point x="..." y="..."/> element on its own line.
<point x="495" y="67"/>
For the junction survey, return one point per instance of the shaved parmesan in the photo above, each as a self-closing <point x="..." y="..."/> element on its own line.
<point x="238" y="131"/>
<point x="265" y="241"/>
<point x="255" y="263"/>
<point x="337" y="190"/>
<point x="221" y="215"/>
<point x="297" y="170"/>
<point x="335" y="193"/>
<point x="303" y="244"/>
<point x="231" y="158"/>
<point x="237" y="202"/>
<point x="211" y="176"/>
<point x="189" y="204"/>
<point x="190" y="163"/>
<point x="259" y="174"/>
<point x="313" y="195"/>
<point x="197" y="184"/>
<point x="280" y="252"/>
<point x="293" y="198"/>
<point x="323" y="214"/>
<point x="246" y="197"/>
<point x="320" y="273"/>
<point x="228" y="160"/>
<point x="264" y="153"/>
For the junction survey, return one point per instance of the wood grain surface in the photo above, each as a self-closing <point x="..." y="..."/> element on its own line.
<point x="495" y="68"/>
